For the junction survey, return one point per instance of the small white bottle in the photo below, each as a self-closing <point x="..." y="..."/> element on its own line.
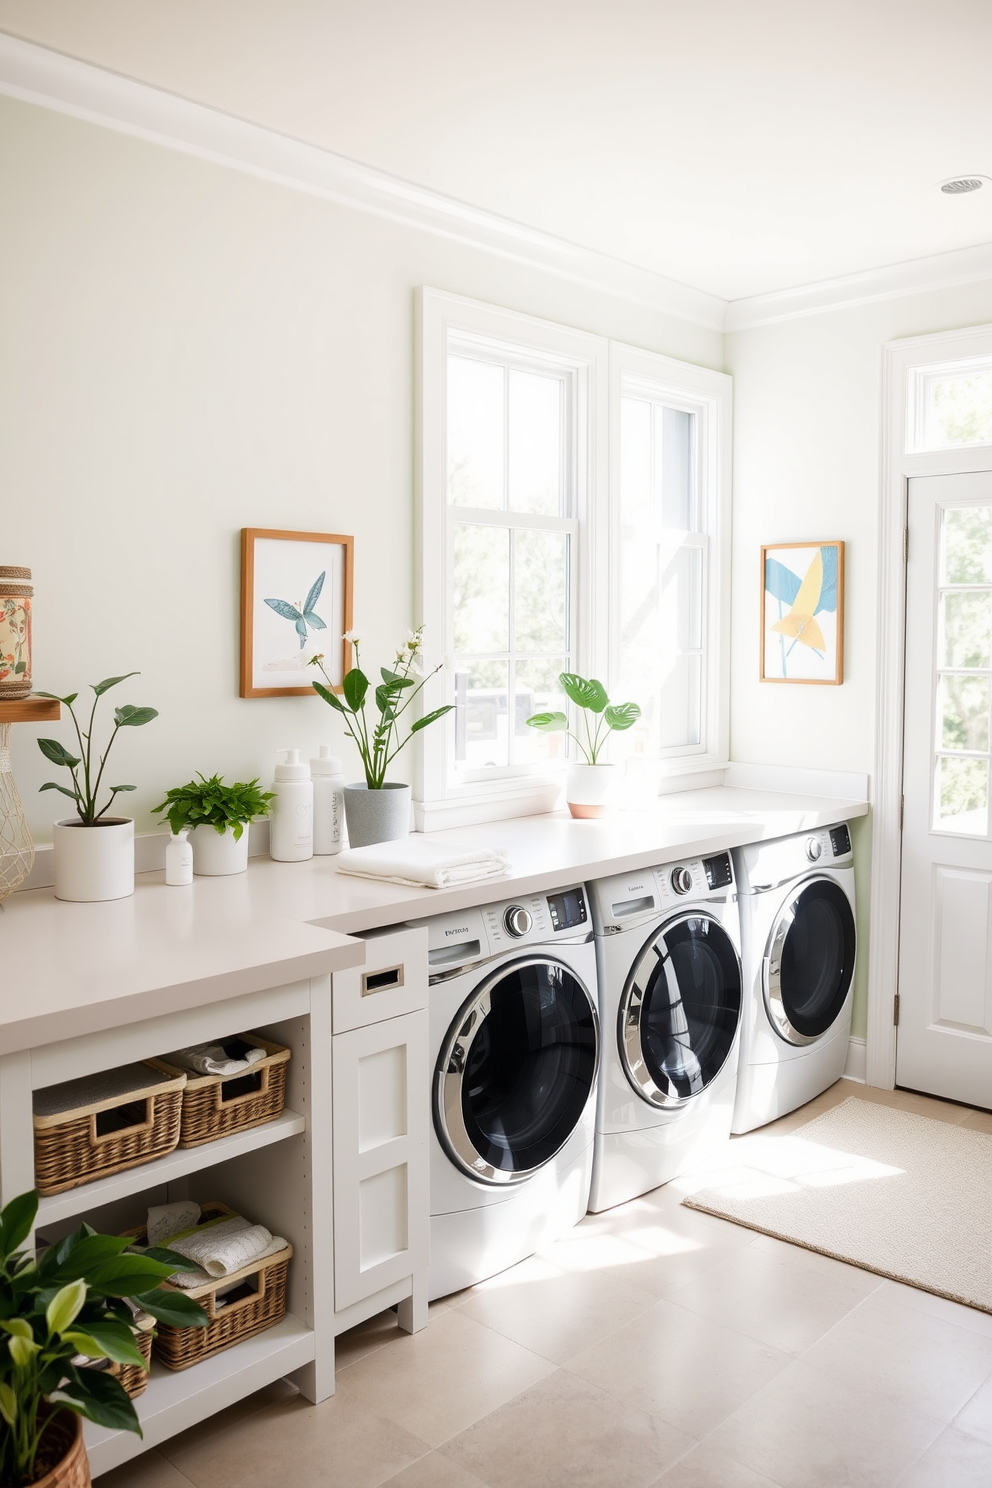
<point x="179" y="859"/>
<point x="328" y="803"/>
<point x="291" y="813"/>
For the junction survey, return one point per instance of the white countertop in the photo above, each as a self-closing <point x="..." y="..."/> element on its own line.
<point x="67" y="969"/>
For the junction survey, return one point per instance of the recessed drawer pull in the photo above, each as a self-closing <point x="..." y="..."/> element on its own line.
<point x="379" y="981"/>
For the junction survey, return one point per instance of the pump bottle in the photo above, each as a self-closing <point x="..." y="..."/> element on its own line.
<point x="291" y="812"/>
<point x="328" y="802"/>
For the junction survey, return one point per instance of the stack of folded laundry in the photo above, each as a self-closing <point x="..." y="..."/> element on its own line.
<point x="219" y="1247"/>
<point x="232" y="1057"/>
<point x="421" y="864"/>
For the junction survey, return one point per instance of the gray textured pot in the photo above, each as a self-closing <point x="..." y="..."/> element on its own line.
<point x="376" y="815"/>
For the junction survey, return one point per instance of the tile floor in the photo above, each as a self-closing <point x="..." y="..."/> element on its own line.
<point x="653" y="1347"/>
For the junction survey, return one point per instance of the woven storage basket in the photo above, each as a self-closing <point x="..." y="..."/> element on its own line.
<point x="206" y="1113"/>
<point x="69" y="1146"/>
<point x="133" y="1379"/>
<point x="179" y="1348"/>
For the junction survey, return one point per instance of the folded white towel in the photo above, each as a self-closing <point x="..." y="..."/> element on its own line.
<point x="169" y="1219"/>
<point x="213" y="1059"/>
<point x="422" y="864"/>
<point x="219" y="1247"/>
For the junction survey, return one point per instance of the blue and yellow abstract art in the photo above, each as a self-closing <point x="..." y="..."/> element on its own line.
<point x="802" y="612"/>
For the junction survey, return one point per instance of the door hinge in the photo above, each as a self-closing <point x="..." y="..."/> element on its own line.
<point x="905" y="544"/>
<point x="902" y="810"/>
<point x="895" y="1011"/>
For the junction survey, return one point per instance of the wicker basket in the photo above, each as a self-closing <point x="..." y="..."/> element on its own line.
<point x="230" y="1322"/>
<point x="133" y="1379"/>
<point x="90" y="1128"/>
<point x="215" y="1107"/>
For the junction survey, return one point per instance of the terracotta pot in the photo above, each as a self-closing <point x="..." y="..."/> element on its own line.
<point x="73" y="1469"/>
<point x="588" y="789"/>
<point x="94" y="863"/>
<point x="216" y="853"/>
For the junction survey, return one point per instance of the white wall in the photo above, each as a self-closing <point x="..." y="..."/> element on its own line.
<point x="807" y="401"/>
<point x="185" y="351"/>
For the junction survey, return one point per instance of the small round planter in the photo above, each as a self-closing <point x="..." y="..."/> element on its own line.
<point x="589" y="789"/>
<point x="73" y="1468"/>
<point x="376" y="815"/>
<point x="216" y="853"/>
<point x="94" y="863"/>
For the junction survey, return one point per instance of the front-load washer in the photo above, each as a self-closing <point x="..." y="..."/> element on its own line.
<point x="667" y="944"/>
<point x="514" y="1034"/>
<point x="798" y="943"/>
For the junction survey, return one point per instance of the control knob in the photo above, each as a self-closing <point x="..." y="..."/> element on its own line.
<point x="814" y="848"/>
<point x="517" y="921"/>
<point x="681" y="880"/>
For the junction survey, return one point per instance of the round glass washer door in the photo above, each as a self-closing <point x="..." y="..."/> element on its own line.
<point x="516" y="1070"/>
<point x="680" y="1010"/>
<point x="810" y="961"/>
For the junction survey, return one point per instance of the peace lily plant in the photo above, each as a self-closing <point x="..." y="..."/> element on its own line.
<point x="588" y="783"/>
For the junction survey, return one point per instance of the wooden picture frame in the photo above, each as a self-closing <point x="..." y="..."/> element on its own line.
<point x="802" y="613"/>
<point x="286" y="625"/>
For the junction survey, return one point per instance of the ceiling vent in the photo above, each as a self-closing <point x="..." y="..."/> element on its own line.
<point x="959" y="185"/>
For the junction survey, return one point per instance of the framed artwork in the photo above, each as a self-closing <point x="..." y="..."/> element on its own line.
<point x="296" y="598"/>
<point x="802" y="613"/>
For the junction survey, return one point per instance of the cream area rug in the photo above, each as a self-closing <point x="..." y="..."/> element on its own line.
<point x="902" y="1195"/>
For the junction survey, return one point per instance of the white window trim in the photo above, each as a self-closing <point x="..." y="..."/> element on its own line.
<point x="708" y="395"/>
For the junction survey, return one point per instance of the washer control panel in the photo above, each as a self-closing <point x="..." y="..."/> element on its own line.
<point x="464" y="937"/>
<point x="634" y="898"/>
<point x="517" y="921"/>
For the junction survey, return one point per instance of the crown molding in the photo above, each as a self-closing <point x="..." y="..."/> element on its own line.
<point x="940" y="271"/>
<point x="37" y="75"/>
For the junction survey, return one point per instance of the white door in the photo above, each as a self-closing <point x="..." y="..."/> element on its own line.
<point x="945" y="973"/>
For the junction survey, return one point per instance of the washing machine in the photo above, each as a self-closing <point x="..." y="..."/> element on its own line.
<point x="514" y="1032"/>
<point x="670" y="993"/>
<point x="798" y="943"/>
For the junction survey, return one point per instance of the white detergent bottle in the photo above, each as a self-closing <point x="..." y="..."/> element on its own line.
<point x="291" y="813"/>
<point x="179" y="859"/>
<point x="328" y="802"/>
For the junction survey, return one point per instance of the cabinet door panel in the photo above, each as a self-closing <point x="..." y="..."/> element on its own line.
<point x="380" y="1114"/>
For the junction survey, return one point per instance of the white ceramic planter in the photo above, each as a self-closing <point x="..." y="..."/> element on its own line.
<point x="216" y="853"/>
<point x="376" y="815"/>
<point x="93" y="863"/>
<point x="589" y="789"/>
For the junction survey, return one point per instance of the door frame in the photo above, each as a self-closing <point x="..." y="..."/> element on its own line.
<point x="899" y="361"/>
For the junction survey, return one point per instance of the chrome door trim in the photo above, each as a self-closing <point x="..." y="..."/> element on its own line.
<point x="771" y="965"/>
<point x="450" y="1069"/>
<point x="632" y="1006"/>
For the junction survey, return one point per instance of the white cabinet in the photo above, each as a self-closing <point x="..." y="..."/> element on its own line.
<point x="380" y="1115"/>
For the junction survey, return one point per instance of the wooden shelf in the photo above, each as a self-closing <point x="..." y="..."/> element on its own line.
<point x="164" y="1169"/>
<point x="30" y="710"/>
<point x="174" y="1401"/>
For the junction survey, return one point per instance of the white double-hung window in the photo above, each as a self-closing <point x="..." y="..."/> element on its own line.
<point x="569" y="520"/>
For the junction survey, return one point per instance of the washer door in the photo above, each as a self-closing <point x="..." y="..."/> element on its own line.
<point x="516" y="1070"/>
<point x="680" y="1010"/>
<point x="810" y="961"/>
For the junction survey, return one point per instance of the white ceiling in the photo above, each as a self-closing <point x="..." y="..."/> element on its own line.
<point x="737" y="146"/>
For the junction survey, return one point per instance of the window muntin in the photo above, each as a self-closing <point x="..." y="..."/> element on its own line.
<point x="962" y="679"/>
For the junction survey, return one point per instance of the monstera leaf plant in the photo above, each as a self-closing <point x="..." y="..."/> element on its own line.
<point x="599" y="717"/>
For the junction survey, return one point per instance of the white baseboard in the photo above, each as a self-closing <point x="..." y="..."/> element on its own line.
<point x="149" y="855"/>
<point x="855" y="1068"/>
<point x="794" y="780"/>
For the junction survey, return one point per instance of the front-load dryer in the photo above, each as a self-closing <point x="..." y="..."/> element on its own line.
<point x="514" y="1036"/>
<point x="798" y="944"/>
<point x="667" y="943"/>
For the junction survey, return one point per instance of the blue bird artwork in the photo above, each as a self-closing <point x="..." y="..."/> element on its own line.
<point x="302" y="614"/>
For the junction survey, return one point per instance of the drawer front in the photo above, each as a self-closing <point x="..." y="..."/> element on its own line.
<point x="392" y="982"/>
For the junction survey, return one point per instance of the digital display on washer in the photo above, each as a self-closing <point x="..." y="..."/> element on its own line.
<point x="718" y="871"/>
<point x="567" y="910"/>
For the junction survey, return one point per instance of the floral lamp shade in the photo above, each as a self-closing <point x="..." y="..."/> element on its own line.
<point x="15" y="631"/>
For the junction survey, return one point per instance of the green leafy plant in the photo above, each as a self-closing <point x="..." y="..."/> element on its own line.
<point x="211" y="803"/>
<point x="379" y="743"/>
<point x="590" y="696"/>
<point x="86" y="785"/>
<point x="67" y="1303"/>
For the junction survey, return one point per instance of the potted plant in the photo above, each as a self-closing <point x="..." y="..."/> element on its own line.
<point x="589" y="781"/>
<point x="377" y="809"/>
<point x="94" y="852"/>
<point x="66" y="1305"/>
<point x="217" y="817"/>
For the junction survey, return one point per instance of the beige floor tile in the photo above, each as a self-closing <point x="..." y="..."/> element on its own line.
<point x="364" y="1339"/>
<point x="898" y="1352"/>
<point x="279" y="1392"/>
<point x="786" y="1297"/>
<point x="976" y="1417"/>
<point x="674" y="1364"/>
<point x="978" y="1121"/>
<point x="955" y="1460"/>
<point x="707" y="1467"/>
<point x="566" y="1433"/>
<point x="295" y="1441"/>
<point x="150" y="1470"/>
<point x="809" y="1429"/>
<point x="435" y="1471"/>
<point x="912" y="1100"/>
<point x="957" y="1313"/>
<point x="556" y="1313"/>
<point x="440" y="1381"/>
